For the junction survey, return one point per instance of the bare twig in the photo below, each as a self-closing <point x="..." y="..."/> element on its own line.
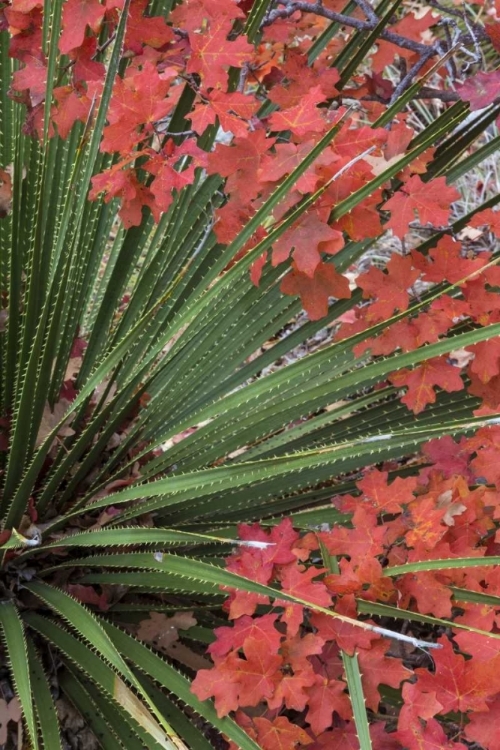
<point x="407" y="80"/>
<point x="367" y="10"/>
<point x="291" y="6"/>
<point x="458" y="40"/>
<point x="423" y="93"/>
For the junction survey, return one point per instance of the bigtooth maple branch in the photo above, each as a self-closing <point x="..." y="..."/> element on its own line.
<point x="478" y="29"/>
<point x="291" y="6"/>
<point x="407" y="79"/>
<point x="424" y="93"/>
<point x="367" y="10"/>
<point x="473" y="34"/>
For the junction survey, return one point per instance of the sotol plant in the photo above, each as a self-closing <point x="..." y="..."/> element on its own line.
<point x="173" y="179"/>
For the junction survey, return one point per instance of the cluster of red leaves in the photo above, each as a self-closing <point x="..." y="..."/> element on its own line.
<point x="477" y="280"/>
<point x="192" y="56"/>
<point x="286" y="659"/>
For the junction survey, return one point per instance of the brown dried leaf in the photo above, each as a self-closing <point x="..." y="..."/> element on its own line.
<point x="51" y="418"/>
<point x="8" y="712"/>
<point x="183" y="654"/>
<point x="5" y="193"/>
<point x="161" y="631"/>
<point x="73" y="368"/>
<point x="14" y="709"/>
<point x="4" y="718"/>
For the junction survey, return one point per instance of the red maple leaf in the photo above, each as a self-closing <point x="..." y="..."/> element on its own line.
<point x="281" y="539"/>
<point x="417" y="705"/>
<point x="389" y="289"/>
<point x="32" y="76"/>
<point x="143" y="30"/>
<point x="283" y="160"/>
<point x="488" y="392"/>
<point x="234" y="111"/>
<point x="284" y="538"/>
<point x="77" y="15"/>
<point x="460" y="685"/>
<point x="449" y="457"/>
<point x="488" y="218"/>
<point x="230" y="218"/>
<point x="326" y="697"/>
<point x="246" y="563"/>
<point x="131" y="211"/>
<point x="446" y="262"/>
<point x="70" y="108"/>
<point x="304" y="117"/>
<point x="432" y="201"/>
<point x="233" y="638"/>
<point x="493" y="31"/>
<point x="297" y="650"/>
<point x="345" y="737"/>
<point x="484" y="305"/>
<point x="483" y="728"/>
<point x="138" y="100"/>
<point x="354" y="177"/>
<point x="398" y="140"/>
<point x="85" y="68"/>
<point x="480" y="90"/>
<point x="425" y="523"/>
<point x="348" y="637"/>
<point x="315" y="292"/>
<point x="487" y="465"/>
<point x="355" y="576"/>
<point x="219" y="683"/>
<point x="114" y="182"/>
<point x="363" y="221"/>
<point x="300" y="78"/>
<point x="486" y="362"/>
<point x="430" y="595"/>
<point x="377" y="668"/>
<point x="432" y="736"/>
<point x="258" y="674"/>
<point x="365" y="539"/>
<point x="280" y="734"/>
<point x="307" y="237"/>
<point x="352" y="141"/>
<point x="167" y="177"/>
<point x="422" y="381"/>
<point x="291" y="691"/>
<point x="384" y="497"/>
<point x="212" y="54"/>
<point x="240" y="163"/>
<point x="243" y="603"/>
<point x="292" y="616"/>
<point x="195" y="14"/>
<point x="256" y="268"/>
<point x="298" y="581"/>
<point x="117" y="182"/>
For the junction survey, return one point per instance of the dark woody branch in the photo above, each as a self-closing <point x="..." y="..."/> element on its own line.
<point x="459" y="39"/>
